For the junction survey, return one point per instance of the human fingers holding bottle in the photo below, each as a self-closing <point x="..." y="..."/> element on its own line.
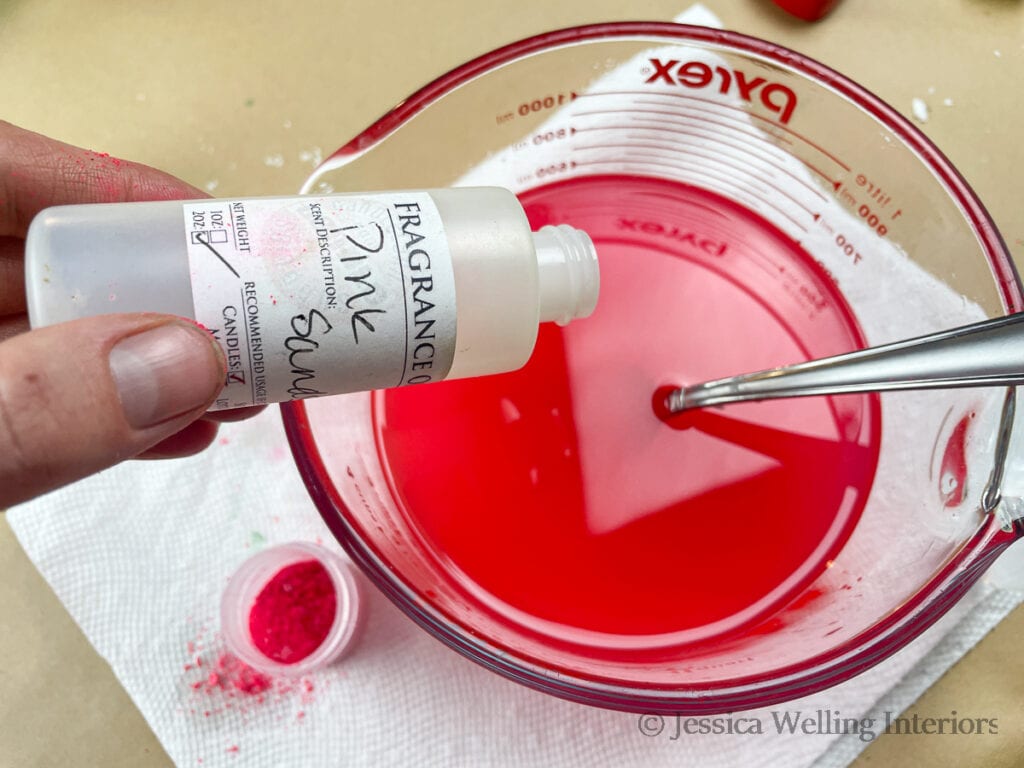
<point x="78" y="397"/>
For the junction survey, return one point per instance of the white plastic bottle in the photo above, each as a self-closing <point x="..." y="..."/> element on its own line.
<point x="322" y="295"/>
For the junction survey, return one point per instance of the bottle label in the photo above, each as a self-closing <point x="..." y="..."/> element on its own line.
<point x="317" y="296"/>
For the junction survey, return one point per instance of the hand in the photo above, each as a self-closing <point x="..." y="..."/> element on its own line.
<point x="78" y="397"/>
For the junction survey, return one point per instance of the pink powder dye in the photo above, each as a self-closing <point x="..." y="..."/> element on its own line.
<point x="221" y="681"/>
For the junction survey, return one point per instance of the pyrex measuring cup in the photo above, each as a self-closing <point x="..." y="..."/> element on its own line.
<point x="751" y="208"/>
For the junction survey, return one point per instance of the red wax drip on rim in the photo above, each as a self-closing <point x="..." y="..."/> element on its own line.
<point x="293" y="613"/>
<point x="558" y="497"/>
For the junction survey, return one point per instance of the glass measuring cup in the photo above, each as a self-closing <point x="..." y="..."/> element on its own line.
<point x="751" y="208"/>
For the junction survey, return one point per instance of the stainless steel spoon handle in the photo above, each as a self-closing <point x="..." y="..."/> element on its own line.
<point x="989" y="353"/>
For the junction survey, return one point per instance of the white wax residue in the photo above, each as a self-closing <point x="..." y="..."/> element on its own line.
<point x="312" y="156"/>
<point x="920" y="110"/>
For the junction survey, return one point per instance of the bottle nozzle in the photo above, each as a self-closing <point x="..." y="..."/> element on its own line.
<point x="568" y="273"/>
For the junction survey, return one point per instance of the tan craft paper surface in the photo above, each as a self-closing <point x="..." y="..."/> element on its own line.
<point x="242" y="99"/>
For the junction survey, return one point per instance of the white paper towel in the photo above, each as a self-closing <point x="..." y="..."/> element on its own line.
<point x="141" y="553"/>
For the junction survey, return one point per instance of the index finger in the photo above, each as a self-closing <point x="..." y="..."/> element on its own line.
<point x="37" y="172"/>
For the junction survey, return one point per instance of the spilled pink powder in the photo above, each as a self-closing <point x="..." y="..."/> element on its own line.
<point x="230" y="674"/>
<point x="221" y="681"/>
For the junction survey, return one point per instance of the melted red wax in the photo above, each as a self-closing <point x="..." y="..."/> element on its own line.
<point x="558" y="496"/>
<point x="293" y="613"/>
<point x="953" y="470"/>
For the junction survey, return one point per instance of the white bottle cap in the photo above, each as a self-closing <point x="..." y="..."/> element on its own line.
<point x="568" y="273"/>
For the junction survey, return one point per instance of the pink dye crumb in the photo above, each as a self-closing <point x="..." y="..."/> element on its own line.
<point x="104" y="156"/>
<point x="232" y="684"/>
<point x="231" y="674"/>
<point x="220" y="683"/>
<point x="233" y="748"/>
<point x="243" y="677"/>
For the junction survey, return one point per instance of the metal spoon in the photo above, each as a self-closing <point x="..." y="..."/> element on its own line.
<point x="985" y="354"/>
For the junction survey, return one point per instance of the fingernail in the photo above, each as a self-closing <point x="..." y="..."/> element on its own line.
<point x="164" y="372"/>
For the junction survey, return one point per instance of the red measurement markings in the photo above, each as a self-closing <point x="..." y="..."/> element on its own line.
<point x="702" y="115"/>
<point x="735" y="126"/>
<point x="706" y="116"/>
<point x="723" y="184"/>
<point x="534" y="106"/>
<point x="704" y="138"/>
<point x="753" y="115"/>
<point x="699" y="121"/>
<point x="631" y="150"/>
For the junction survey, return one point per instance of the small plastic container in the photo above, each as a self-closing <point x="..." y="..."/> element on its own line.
<point x="249" y="581"/>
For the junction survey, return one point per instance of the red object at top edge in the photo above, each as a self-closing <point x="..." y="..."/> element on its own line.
<point x="808" y="10"/>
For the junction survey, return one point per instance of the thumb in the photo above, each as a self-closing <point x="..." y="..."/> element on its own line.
<point x="78" y="397"/>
